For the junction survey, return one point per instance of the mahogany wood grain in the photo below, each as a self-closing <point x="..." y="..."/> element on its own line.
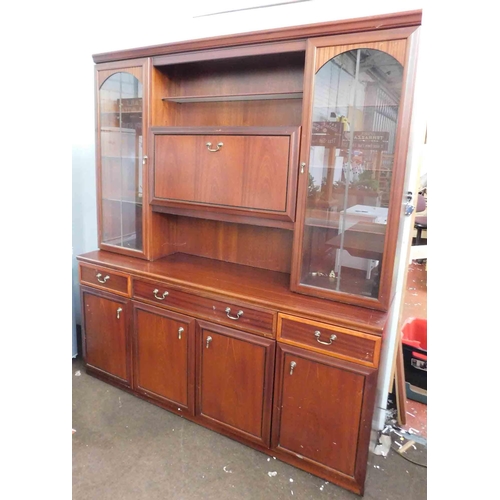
<point x="106" y="341"/>
<point x="253" y="172"/>
<point x="164" y="356"/>
<point x="235" y="381"/>
<point x="216" y="214"/>
<point x="230" y="53"/>
<point x="322" y="413"/>
<point x="261" y="287"/>
<point x="384" y="21"/>
<point x="268" y="113"/>
<point x="100" y="277"/>
<point x="274" y="73"/>
<point x="255" y="320"/>
<point x="346" y="344"/>
<point x="249" y="245"/>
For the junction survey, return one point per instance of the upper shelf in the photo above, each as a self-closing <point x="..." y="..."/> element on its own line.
<point x="234" y="97"/>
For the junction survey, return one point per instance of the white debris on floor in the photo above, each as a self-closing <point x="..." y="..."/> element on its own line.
<point x="272" y="474"/>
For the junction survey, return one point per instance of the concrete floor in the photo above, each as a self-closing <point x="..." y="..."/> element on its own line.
<point x="128" y="449"/>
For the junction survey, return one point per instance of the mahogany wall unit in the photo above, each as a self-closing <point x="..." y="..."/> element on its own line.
<point x="250" y="196"/>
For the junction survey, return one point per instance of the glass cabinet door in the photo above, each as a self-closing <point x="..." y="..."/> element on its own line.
<point x="120" y="138"/>
<point x="343" y="223"/>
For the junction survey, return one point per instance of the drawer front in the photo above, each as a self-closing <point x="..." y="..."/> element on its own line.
<point x="241" y="174"/>
<point x="335" y="341"/>
<point x="229" y="313"/>
<point x="99" y="277"/>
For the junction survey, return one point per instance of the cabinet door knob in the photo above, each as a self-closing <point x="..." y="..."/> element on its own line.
<point x="317" y="334"/>
<point x="155" y="291"/>
<point x="238" y="314"/>
<point x="118" y="311"/>
<point x="293" y="364"/>
<point x="98" y="276"/>
<point x="180" y="332"/>
<point x="209" y="339"/>
<point x="302" y="166"/>
<point x="209" y="146"/>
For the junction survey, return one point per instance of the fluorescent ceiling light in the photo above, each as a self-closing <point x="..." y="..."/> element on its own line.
<point x="225" y="7"/>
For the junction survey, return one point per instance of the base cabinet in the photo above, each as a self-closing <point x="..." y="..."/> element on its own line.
<point x="322" y="412"/>
<point x="106" y="341"/>
<point x="235" y="382"/>
<point x="164" y="356"/>
<point x="305" y="397"/>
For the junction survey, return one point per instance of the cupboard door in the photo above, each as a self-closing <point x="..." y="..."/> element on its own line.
<point x="163" y="357"/>
<point x="354" y="152"/>
<point x="322" y="412"/>
<point x="121" y="123"/>
<point x="239" y="171"/>
<point x="106" y="341"/>
<point x="234" y="390"/>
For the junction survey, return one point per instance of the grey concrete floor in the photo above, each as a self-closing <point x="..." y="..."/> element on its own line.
<point x="125" y="448"/>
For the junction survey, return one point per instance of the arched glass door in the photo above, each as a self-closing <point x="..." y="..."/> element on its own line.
<point x="356" y="98"/>
<point x="121" y="148"/>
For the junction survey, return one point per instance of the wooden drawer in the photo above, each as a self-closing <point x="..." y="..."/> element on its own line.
<point x="250" y="171"/>
<point x="227" y="312"/>
<point x="336" y="341"/>
<point x="100" y="277"/>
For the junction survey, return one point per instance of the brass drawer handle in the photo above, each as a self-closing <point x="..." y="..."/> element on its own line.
<point x="180" y="332"/>
<point x="238" y="314"/>
<point x="98" y="276"/>
<point x="209" y="339"/>
<point x="293" y="364"/>
<point x="209" y="145"/>
<point x="317" y="334"/>
<point x="118" y="311"/>
<point x="155" y="291"/>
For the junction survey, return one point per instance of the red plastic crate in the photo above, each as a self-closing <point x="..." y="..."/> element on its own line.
<point x="414" y="339"/>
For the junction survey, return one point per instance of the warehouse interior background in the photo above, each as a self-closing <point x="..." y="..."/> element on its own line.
<point x="49" y="188"/>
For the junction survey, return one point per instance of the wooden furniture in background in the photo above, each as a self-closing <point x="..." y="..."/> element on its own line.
<point x="222" y="217"/>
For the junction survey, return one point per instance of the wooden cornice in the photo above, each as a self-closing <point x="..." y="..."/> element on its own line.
<point x="386" y="21"/>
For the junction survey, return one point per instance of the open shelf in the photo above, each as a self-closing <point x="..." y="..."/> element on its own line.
<point x="234" y="97"/>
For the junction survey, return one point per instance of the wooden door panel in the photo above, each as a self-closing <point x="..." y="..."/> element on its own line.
<point x="235" y="385"/>
<point x="105" y="339"/>
<point x="163" y="341"/>
<point x="234" y="171"/>
<point x="321" y="406"/>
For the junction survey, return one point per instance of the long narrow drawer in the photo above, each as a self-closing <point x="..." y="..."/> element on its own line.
<point x="336" y="341"/>
<point x="100" y="277"/>
<point x="227" y="312"/>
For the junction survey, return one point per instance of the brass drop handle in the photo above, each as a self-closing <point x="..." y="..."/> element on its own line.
<point x="209" y="339"/>
<point x="98" y="276"/>
<point x="293" y="364"/>
<point x="317" y="334"/>
<point x="155" y="291"/>
<point x="302" y="166"/>
<point x="180" y="332"/>
<point x="118" y="311"/>
<point x="209" y="146"/>
<point x="238" y="314"/>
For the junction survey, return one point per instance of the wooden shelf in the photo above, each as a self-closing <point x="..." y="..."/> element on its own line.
<point x="234" y="97"/>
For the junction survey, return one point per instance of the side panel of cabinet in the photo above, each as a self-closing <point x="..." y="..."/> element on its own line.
<point x="164" y="356"/>
<point x="322" y="414"/>
<point x="235" y="379"/>
<point x="106" y="346"/>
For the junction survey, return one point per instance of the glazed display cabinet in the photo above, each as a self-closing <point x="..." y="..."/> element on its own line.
<point x="250" y="202"/>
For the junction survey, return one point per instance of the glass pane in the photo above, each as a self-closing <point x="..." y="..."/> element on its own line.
<point x="121" y="160"/>
<point x="356" y="102"/>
